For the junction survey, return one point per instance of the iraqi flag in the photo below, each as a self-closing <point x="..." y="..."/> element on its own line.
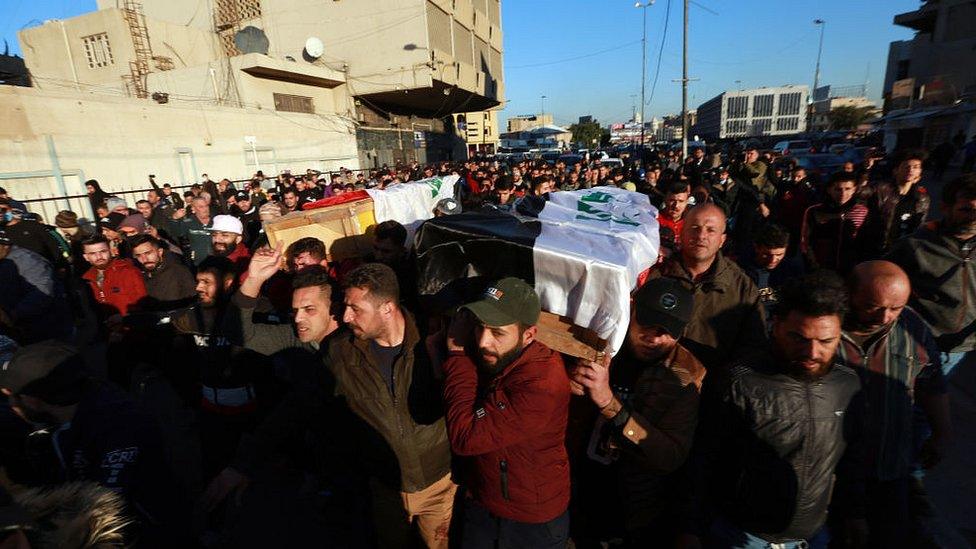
<point x="582" y="251"/>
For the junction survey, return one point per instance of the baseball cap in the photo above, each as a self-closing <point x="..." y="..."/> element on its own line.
<point x="242" y="195"/>
<point x="448" y="206"/>
<point x="505" y="302"/>
<point x="227" y="224"/>
<point x="34" y="362"/>
<point x="664" y="302"/>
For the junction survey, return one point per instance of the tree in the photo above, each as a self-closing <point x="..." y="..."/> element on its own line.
<point x="585" y="134"/>
<point x="848" y="117"/>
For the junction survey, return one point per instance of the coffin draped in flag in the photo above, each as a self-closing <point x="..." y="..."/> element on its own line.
<point x="581" y="250"/>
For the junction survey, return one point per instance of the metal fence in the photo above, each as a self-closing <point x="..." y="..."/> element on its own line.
<point x="48" y="207"/>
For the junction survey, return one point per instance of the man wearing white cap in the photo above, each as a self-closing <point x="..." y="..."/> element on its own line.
<point x="226" y="236"/>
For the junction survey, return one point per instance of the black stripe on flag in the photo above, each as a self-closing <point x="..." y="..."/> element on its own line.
<point x="459" y="255"/>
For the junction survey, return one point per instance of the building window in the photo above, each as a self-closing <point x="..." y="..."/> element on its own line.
<point x="735" y="127"/>
<point x="762" y="105"/>
<point x="901" y="71"/>
<point x="789" y="104"/>
<point x="293" y="103"/>
<point x="763" y="126"/>
<point x="787" y="124"/>
<point x="737" y="107"/>
<point x="98" y="51"/>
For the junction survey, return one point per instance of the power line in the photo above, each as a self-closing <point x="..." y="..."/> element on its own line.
<point x="568" y="59"/>
<point x="660" y="54"/>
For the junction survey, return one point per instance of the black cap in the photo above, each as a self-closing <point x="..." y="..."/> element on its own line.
<point x="242" y="195"/>
<point x="112" y="221"/>
<point x="34" y="362"/>
<point x="664" y="302"/>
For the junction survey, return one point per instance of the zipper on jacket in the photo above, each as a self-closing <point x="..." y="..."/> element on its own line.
<point x="503" y="467"/>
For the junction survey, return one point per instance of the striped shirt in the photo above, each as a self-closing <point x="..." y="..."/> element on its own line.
<point x="893" y="369"/>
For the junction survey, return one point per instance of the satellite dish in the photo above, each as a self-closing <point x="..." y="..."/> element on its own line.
<point x="314" y="48"/>
<point x="251" y="40"/>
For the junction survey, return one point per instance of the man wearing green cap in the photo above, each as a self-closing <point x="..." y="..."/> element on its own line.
<point x="507" y="398"/>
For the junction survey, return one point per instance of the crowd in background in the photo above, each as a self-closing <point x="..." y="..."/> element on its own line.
<point x="785" y="378"/>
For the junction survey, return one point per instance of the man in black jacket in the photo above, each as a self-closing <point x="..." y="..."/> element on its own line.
<point x="96" y="434"/>
<point x="787" y="429"/>
<point x="169" y="284"/>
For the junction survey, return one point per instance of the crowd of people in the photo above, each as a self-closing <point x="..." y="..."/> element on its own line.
<point x="783" y="383"/>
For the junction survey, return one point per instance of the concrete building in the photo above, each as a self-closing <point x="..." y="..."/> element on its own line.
<point x="524" y="122"/>
<point x="752" y="113"/>
<point x="255" y="84"/>
<point x="479" y="130"/>
<point x="538" y="138"/>
<point x="671" y="128"/>
<point x="820" y="118"/>
<point x="930" y="80"/>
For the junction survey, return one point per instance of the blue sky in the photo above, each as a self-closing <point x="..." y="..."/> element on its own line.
<point x="585" y="55"/>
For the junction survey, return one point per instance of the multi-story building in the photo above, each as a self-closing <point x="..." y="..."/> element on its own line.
<point x="479" y="130"/>
<point x="930" y="80"/>
<point x="756" y="112"/>
<point x="828" y="98"/>
<point x="525" y="122"/>
<point x="179" y="87"/>
<point x="671" y="128"/>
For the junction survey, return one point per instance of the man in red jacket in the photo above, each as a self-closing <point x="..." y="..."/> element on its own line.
<point x="507" y="398"/>
<point x="115" y="283"/>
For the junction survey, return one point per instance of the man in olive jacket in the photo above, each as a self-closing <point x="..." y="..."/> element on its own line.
<point x="728" y="320"/>
<point x="379" y="369"/>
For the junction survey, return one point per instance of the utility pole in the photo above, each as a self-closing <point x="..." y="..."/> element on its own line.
<point x="543" y="105"/>
<point x="644" y="7"/>
<point x="684" y="88"/>
<point x="816" y="72"/>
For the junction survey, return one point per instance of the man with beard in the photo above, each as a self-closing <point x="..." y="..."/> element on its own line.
<point x="787" y="428"/>
<point x="98" y="433"/>
<point x="893" y="351"/>
<point x="507" y="398"/>
<point x="246" y="210"/>
<point x="379" y="386"/>
<point x="939" y="259"/>
<point x="647" y="402"/>
<point x="226" y="239"/>
<point x="115" y="283"/>
<point x="169" y="284"/>
<point x="290" y="198"/>
<point x="230" y="379"/>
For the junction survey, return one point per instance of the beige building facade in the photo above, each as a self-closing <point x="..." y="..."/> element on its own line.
<point x="177" y="88"/>
<point x="526" y="122"/>
<point x="479" y="130"/>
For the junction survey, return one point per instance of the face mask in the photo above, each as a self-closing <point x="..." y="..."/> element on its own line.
<point x="8" y="217"/>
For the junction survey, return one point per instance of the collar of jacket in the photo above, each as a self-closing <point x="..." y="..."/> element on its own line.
<point x="879" y="337"/>
<point x="117" y="264"/>
<point x="411" y="336"/>
<point x="716" y="278"/>
<point x="933" y="232"/>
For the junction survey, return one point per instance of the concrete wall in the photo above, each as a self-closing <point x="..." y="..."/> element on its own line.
<point x="455" y="41"/>
<point x="50" y="59"/>
<point x="119" y="141"/>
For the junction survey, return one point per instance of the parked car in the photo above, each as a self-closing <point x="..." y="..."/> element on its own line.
<point x="570" y="159"/>
<point x="612" y="163"/>
<point x="839" y="148"/>
<point x="819" y="166"/>
<point x="791" y="147"/>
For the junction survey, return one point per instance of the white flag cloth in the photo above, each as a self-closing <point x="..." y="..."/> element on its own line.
<point x="593" y="245"/>
<point x="411" y="203"/>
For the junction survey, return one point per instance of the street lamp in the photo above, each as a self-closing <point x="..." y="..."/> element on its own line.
<point x="543" y="105"/>
<point x="816" y="72"/>
<point x="643" y="6"/>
